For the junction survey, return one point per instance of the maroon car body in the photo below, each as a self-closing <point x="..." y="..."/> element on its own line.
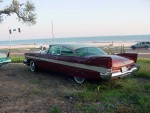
<point x="82" y="62"/>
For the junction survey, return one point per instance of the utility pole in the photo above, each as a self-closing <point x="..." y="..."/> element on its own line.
<point x="52" y="31"/>
<point x="9" y="38"/>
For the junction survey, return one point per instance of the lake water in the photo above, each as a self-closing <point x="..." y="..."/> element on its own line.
<point x="131" y="38"/>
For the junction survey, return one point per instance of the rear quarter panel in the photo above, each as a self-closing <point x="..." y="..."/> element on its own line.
<point x="131" y="56"/>
<point x="73" y="70"/>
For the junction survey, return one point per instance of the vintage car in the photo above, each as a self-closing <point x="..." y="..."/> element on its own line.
<point x="4" y="59"/>
<point x="82" y="62"/>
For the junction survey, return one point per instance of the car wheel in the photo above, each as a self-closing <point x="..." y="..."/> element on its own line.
<point x="33" y="67"/>
<point x="79" y="80"/>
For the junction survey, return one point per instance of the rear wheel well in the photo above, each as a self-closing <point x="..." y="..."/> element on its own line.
<point x="78" y="76"/>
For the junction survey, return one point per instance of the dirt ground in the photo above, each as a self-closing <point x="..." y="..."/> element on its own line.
<point x="23" y="91"/>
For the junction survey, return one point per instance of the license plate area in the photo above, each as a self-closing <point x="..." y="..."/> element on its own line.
<point x="124" y="69"/>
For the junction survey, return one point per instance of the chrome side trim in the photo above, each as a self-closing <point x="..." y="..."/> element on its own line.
<point x="77" y="65"/>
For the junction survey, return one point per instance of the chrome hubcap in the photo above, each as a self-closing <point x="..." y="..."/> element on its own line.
<point x="32" y="66"/>
<point x="79" y="80"/>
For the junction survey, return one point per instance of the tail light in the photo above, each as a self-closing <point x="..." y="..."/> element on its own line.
<point x="109" y="64"/>
<point x="116" y="69"/>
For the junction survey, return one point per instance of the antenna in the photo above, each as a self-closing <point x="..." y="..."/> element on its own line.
<point x="52" y="31"/>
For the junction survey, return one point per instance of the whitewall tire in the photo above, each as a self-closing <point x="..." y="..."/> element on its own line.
<point x="79" y="80"/>
<point x="33" y="67"/>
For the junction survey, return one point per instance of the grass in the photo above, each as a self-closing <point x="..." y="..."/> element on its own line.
<point x="146" y="86"/>
<point x="17" y="59"/>
<point x="36" y="91"/>
<point x="144" y="70"/>
<point x="144" y="60"/>
<point x="91" y="109"/>
<point x="35" y="81"/>
<point x="126" y="95"/>
<point x="54" y="109"/>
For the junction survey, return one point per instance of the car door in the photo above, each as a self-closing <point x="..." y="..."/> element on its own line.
<point x="50" y="58"/>
<point x="65" y="60"/>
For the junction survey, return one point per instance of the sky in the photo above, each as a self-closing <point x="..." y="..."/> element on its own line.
<point x="81" y="18"/>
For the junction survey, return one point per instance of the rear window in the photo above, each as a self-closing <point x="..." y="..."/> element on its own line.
<point x="87" y="51"/>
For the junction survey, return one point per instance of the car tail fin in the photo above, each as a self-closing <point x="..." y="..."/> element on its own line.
<point x="131" y="56"/>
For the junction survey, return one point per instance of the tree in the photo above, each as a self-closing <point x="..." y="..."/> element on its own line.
<point x="24" y="11"/>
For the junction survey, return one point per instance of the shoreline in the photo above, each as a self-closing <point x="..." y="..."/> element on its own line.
<point x="98" y="44"/>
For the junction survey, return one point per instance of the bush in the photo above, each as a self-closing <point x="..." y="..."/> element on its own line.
<point x="17" y="59"/>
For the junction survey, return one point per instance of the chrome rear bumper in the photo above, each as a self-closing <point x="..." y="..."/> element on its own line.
<point x="110" y="75"/>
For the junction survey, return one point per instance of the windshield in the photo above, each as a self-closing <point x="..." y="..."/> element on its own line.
<point x="2" y="55"/>
<point x="87" y="51"/>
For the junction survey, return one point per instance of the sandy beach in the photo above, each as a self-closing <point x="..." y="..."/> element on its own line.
<point x="99" y="44"/>
<point x="25" y="46"/>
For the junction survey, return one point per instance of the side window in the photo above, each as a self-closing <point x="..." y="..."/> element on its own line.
<point x="66" y="52"/>
<point x="89" y="51"/>
<point x="54" y="50"/>
<point x="81" y="52"/>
